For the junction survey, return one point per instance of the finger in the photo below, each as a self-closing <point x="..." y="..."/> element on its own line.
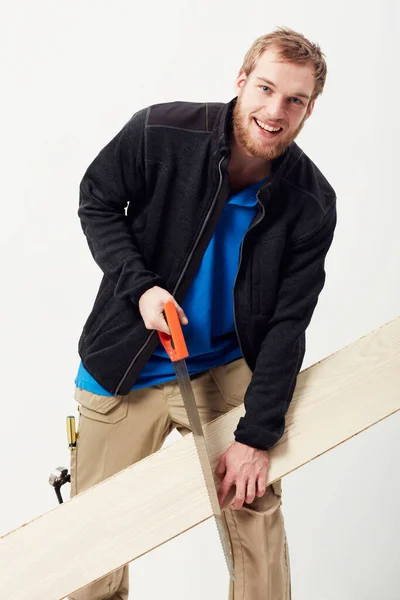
<point x="261" y="484"/>
<point x="251" y="491"/>
<point x="240" y="494"/>
<point x="221" y="468"/>
<point x="181" y="314"/>
<point x="223" y="490"/>
<point x="163" y="325"/>
<point x="158" y="324"/>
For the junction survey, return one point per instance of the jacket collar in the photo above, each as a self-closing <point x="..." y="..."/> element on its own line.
<point x="224" y="126"/>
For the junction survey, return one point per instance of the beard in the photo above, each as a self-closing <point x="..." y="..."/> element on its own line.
<point x="268" y="149"/>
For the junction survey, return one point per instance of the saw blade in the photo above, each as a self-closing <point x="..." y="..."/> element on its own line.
<point x="189" y="400"/>
<point x="177" y="351"/>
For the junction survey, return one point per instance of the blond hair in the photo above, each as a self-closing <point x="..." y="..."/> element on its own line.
<point x="290" y="46"/>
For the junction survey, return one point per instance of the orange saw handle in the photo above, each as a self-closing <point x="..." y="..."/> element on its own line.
<point x="174" y="344"/>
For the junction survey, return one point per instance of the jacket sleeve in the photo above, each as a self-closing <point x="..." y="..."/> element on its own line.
<point x="278" y="363"/>
<point x="115" y="178"/>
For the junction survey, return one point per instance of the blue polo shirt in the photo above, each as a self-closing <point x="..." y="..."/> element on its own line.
<point x="210" y="334"/>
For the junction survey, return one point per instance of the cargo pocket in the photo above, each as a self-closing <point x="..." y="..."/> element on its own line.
<point x="106" y="409"/>
<point x="276" y="487"/>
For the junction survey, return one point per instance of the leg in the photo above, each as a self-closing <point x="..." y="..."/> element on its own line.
<point x="257" y="532"/>
<point x="114" y="433"/>
<point x="260" y="550"/>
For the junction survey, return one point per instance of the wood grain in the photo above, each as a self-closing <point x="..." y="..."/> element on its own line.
<point x="164" y="495"/>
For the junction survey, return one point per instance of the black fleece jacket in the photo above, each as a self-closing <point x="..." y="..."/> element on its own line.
<point x="149" y="203"/>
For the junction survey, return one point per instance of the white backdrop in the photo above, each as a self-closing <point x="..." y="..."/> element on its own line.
<point x="72" y="74"/>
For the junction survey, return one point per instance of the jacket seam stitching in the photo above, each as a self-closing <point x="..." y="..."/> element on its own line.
<point x="179" y="128"/>
<point x="294" y="164"/>
<point x="145" y="143"/>
<point x="321" y="226"/>
<point x="307" y="193"/>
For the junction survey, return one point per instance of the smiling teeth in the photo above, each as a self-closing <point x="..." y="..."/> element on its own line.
<point x="266" y="127"/>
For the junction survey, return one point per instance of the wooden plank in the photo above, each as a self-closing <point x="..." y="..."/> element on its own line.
<point x="164" y="495"/>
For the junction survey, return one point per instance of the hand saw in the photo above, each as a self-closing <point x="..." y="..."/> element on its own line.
<point x="176" y="349"/>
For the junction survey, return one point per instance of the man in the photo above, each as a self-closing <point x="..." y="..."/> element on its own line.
<point x="215" y="207"/>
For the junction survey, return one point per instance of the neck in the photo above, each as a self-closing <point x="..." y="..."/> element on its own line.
<point x="245" y="166"/>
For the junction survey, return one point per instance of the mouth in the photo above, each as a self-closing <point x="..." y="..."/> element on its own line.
<point x="267" y="134"/>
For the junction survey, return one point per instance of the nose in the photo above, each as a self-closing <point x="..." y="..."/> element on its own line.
<point x="275" y="109"/>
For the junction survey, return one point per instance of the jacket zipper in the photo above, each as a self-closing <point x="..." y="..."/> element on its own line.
<point x="180" y="277"/>
<point x="240" y="262"/>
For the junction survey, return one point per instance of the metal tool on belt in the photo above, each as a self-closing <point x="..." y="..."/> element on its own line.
<point x="60" y="475"/>
<point x="176" y="349"/>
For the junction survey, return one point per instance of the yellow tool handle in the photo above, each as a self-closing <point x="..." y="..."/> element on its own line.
<point x="71" y="433"/>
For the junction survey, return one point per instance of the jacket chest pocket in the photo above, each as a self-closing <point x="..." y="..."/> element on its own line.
<point x="265" y="269"/>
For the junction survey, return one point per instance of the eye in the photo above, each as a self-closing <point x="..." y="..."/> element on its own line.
<point x="297" y="101"/>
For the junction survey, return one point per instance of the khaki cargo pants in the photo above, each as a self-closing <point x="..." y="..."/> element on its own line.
<point x="117" y="431"/>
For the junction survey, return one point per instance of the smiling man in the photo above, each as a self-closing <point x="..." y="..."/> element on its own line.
<point x="215" y="207"/>
<point x="269" y="113"/>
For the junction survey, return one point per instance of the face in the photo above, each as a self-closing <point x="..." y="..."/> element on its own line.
<point x="278" y="104"/>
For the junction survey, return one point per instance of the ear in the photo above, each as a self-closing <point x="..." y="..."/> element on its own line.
<point x="310" y="109"/>
<point x="240" y="82"/>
